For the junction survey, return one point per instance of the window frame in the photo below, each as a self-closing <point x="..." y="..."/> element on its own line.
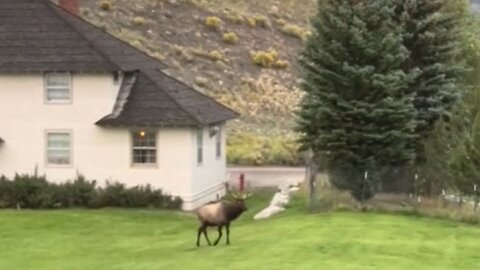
<point x="199" y="145"/>
<point x="70" y="148"/>
<point x="46" y="88"/>
<point x="133" y="148"/>
<point x="218" y="143"/>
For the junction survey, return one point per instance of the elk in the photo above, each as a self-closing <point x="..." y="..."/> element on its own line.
<point x="219" y="214"/>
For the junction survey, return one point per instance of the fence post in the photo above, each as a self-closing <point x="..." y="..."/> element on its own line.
<point x="365" y="177"/>
<point x="312" y="177"/>
<point x="241" y="182"/>
<point x="475" y="192"/>
<point x="444" y="199"/>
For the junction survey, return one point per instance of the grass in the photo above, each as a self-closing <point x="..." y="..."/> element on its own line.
<point x="143" y="239"/>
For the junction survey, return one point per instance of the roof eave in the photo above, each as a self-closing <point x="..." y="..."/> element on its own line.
<point x="132" y="126"/>
<point x="110" y="122"/>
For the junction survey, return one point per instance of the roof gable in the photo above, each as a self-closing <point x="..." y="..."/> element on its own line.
<point x="156" y="99"/>
<point x="37" y="35"/>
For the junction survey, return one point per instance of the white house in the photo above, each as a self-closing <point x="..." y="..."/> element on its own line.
<point x="74" y="99"/>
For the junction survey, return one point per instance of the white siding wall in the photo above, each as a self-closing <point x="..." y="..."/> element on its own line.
<point x="209" y="176"/>
<point x="98" y="153"/>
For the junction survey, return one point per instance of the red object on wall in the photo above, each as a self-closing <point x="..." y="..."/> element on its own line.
<point x="242" y="182"/>
<point x="70" y="6"/>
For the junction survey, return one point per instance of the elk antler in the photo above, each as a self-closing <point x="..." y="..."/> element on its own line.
<point x="246" y="195"/>
<point x="236" y="195"/>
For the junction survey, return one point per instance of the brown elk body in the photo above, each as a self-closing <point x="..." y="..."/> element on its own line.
<point x="219" y="214"/>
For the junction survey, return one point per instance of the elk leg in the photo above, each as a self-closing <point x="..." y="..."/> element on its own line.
<point x="206" y="236"/>
<point x="228" y="233"/>
<point x="219" y="235"/>
<point x="200" y="229"/>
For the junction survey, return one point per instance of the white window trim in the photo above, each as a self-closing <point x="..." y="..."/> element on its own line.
<point x="219" y="143"/>
<point x="45" y="89"/>
<point x="132" y="159"/>
<point x="66" y="131"/>
<point x="199" y="147"/>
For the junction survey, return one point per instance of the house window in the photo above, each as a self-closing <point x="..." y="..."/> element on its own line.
<point x="58" y="148"/>
<point x="218" y="142"/>
<point x="200" y="146"/>
<point x="144" y="147"/>
<point x="58" y="87"/>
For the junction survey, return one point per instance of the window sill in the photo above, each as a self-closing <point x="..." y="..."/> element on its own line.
<point x="144" y="166"/>
<point x="59" y="166"/>
<point x="69" y="102"/>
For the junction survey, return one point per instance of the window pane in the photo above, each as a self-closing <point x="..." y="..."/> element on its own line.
<point x="144" y="156"/>
<point x="58" y="79"/>
<point x="200" y="155"/>
<point x="144" y="147"/>
<point x="58" y="148"/>
<point x="144" y="139"/>
<point x="58" y="94"/>
<point x="58" y="140"/>
<point x="151" y="142"/>
<point x="200" y="146"/>
<point x="57" y="86"/>
<point x="218" y="143"/>
<point x="59" y="160"/>
<point x="59" y="157"/>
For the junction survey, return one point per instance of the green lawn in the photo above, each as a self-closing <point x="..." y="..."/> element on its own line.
<point x="128" y="239"/>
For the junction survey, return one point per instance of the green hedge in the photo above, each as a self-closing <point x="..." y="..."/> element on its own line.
<point x="35" y="192"/>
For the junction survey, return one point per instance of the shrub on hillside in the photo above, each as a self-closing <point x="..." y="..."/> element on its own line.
<point x="251" y="22"/>
<point x="214" y="55"/>
<point x="264" y="58"/>
<point x="280" y="64"/>
<point x="295" y="31"/>
<point x="281" y="22"/>
<point x="262" y="21"/>
<point x="213" y="23"/>
<point x="230" y="38"/>
<point x="106" y="5"/>
<point x="34" y="192"/>
<point x="235" y="17"/>
<point x="139" y="21"/>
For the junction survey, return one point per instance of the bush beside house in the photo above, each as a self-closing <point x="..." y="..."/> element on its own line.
<point x="35" y="192"/>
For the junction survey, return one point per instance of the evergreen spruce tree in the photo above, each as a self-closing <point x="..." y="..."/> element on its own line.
<point x="433" y="38"/>
<point x="357" y="112"/>
<point x="453" y="148"/>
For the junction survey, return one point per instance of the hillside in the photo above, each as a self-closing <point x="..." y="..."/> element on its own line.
<point x="241" y="52"/>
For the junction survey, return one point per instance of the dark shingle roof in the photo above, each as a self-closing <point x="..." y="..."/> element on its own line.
<point x="157" y="99"/>
<point x="38" y="36"/>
